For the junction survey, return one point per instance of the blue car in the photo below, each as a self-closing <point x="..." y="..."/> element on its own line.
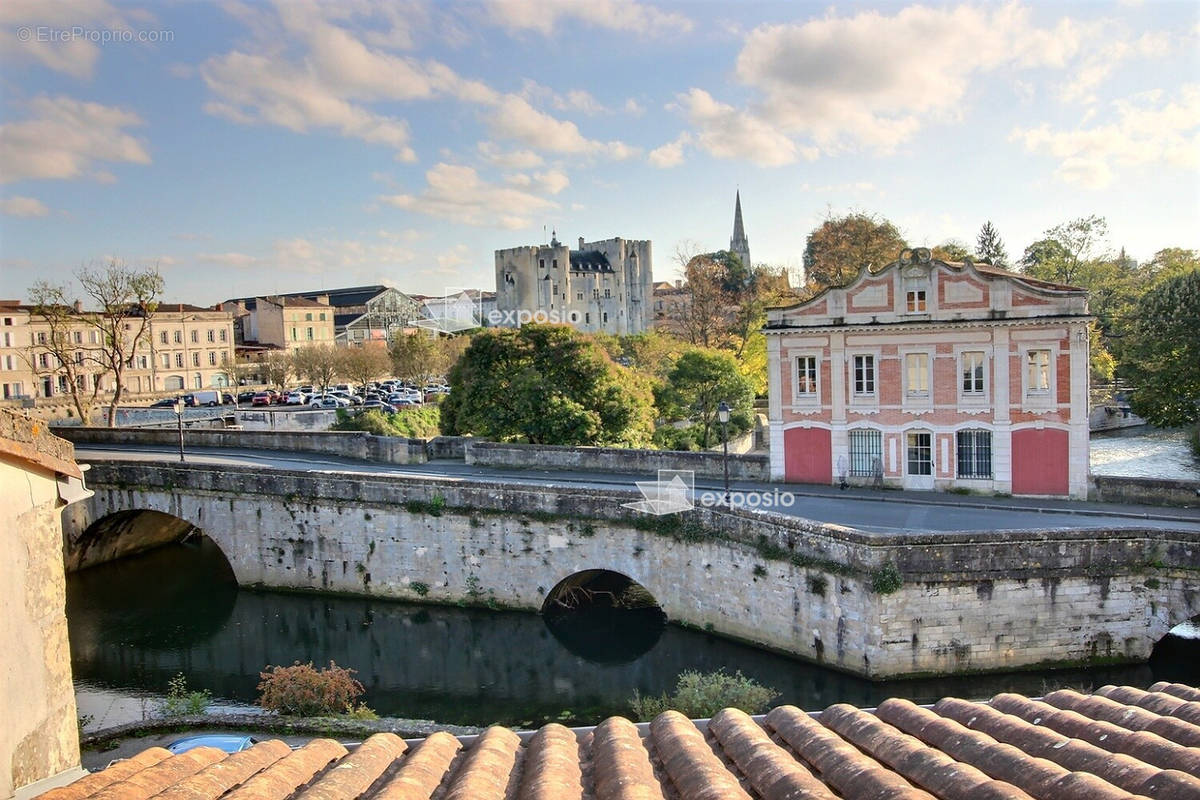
<point x="230" y="743"/>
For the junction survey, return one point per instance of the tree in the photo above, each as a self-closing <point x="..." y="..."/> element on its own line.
<point x="703" y="315"/>
<point x="1163" y="353"/>
<point x="951" y="250"/>
<point x="54" y="351"/>
<point x="319" y="364"/>
<point x="276" y="369"/>
<point x="698" y="383"/>
<point x="1065" y="250"/>
<point x="125" y="299"/>
<point x="1168" y="263"/>
<point x="836" y="251"/>
<point x="361" y="365"/>
<point x="413" y="356"/>
<point x="990" y="246"/>
<point x="545" y="384"/>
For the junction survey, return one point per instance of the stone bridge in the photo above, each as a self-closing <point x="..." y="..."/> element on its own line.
<point x="873" y="605"/>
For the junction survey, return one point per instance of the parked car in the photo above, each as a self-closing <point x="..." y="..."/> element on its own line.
<point x="202" y="397"/>
<point x="352" y="399"/>
<point x="329" y="401"/>
<point x="437" y="388"/>
<point x="230" y="743"/>
<point x="379" y="405"/>
<point x="227" y="399"/>
<point x="295" y="398"/>
<point x="261" y="399"/>
<point x="166" y="402"/>
<point x="246" y="397"/>
<point x="400" y="401"/>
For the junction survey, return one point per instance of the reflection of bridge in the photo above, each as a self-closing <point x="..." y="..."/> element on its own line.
<point x="876" y="605"/>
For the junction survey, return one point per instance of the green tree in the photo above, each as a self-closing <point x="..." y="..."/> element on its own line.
<point x="836" y="251"/>
<point x="1162" y="356"/>
<point x="696" y="386"/>
<point x="413" y="356"/>
<point x="1066" y="250"/>
<point x="951" y="250"/>
<point x="1168" y="263"/>
<point x="545" y="384"/>
<point x="990" y="246"/>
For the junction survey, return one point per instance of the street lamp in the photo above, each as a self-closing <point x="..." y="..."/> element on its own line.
<point x="178" y="407"/>
<point x="723" y="416"/>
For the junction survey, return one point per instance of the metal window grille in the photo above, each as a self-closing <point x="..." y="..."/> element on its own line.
<point x="974" y="454"/>
<point x="866" y="447"/>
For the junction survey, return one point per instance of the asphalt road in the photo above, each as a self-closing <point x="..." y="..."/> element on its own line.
<point x="868" y="510"/>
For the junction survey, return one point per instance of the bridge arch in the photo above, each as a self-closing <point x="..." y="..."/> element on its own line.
<point x="603" y="616"/>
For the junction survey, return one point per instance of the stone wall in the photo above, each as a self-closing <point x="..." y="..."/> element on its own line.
<point x="875" y="605"/>
<point x="613" y="459"/>
<point x="39" y="738"/>
<point x="1146" y="491"/>
<point x="348" y="444"/>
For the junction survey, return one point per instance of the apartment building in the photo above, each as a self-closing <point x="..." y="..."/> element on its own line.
<point x="933" y="375"/>
<point x="281" y="321"/>
<point x="185" y="347"/>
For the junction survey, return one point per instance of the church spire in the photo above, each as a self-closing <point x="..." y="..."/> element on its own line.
<point x="739" y="245"/>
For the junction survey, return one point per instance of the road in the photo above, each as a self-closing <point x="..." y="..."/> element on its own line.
<point x="868" y="510"/>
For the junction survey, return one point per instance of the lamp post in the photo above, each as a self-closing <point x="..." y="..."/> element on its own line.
<point x="179" y="418"/>
<point x="723" y="416"/>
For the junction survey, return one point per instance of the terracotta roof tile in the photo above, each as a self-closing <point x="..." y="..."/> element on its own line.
<point x="160" y="776"/>
<point x="1121" y="742"/>
<point x="621" y="767"/>
<point x="218" y="778"/>
<point x="90" y="784"/>
<point x="422" y="771"/>
<point x="285" y="776"/>
<point x="551" y="770"/>
<point x="354" y="774"/>
<point x="488" y="767"/>
<point x="1177" y="689"/>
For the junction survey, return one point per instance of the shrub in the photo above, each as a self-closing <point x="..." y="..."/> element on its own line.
<point x="420" y="588"/>
<point x="700" y="695"/>
<point x="181" y="702"/>
<point x="886" y="579"/>
<point x="302" y="690"/>
<point x="412" y="422"/>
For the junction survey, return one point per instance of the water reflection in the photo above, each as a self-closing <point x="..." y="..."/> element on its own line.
<point x="136" y="623"/>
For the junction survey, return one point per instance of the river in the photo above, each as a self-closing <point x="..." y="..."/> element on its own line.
<point x="137" y="622"/>
<point x="1144" y="452"/>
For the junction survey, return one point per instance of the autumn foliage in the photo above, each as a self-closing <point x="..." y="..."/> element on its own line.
<point x="302" y="690"/>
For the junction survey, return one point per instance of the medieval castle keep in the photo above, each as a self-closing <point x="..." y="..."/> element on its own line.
<point x="603" y="286"/>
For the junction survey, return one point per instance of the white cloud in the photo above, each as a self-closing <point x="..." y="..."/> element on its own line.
<point x="49" y="42"/>
<point x="65" y="138"/>
<point x="619" y="15"/>
<point x="513" y="159"/>
<point x="725" y="132"/>
<point x="669" y="154"/>
<point x="228" y="259"/>
<point x="1150" y="128"/>
<point x="457" y="193"/>
<point x="553" y="181"/>
<point x="514" y="118"/>
<point x="17" y="206"/>
<point x="1099" y="62"/>
<point x="869" y="81"/>
<point x="320" y="66"/>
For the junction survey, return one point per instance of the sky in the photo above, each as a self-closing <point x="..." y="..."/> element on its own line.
<point x="246" y="148"/>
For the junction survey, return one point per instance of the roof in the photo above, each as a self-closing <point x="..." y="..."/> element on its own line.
<point x="589" y="261"/>
<point x="1118" y="742"/>
<point x="182" y="307"/>
<point x="988" y="269"/>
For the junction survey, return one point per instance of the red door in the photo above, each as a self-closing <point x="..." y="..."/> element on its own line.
<point x="807" y="456"/>
<point x="1040" y="461"/>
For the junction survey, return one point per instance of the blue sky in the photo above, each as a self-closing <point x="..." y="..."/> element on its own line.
<point x="253" y="147"/>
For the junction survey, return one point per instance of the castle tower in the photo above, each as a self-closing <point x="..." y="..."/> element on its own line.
<point x="739" y="245"/>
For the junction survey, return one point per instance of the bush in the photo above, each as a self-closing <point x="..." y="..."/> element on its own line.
<point x="181" y="702"/>
<point x="302" y="690"/>
<point x="700" y="695"/>
<point x="886" y="579"/>
<point x="411" y="422"/>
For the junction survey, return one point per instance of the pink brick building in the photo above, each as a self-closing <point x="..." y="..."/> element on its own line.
<point x="933" y="375"/>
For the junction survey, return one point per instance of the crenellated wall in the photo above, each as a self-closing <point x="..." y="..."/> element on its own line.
<point x="875" y="605"/>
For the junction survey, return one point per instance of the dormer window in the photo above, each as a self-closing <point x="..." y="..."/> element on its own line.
<point x="915" y="299"/>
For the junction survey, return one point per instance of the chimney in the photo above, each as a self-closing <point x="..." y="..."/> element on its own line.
<point x="580" y="242"/>
<point x="78" y="306"/>
<point x="323" y="298"/>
